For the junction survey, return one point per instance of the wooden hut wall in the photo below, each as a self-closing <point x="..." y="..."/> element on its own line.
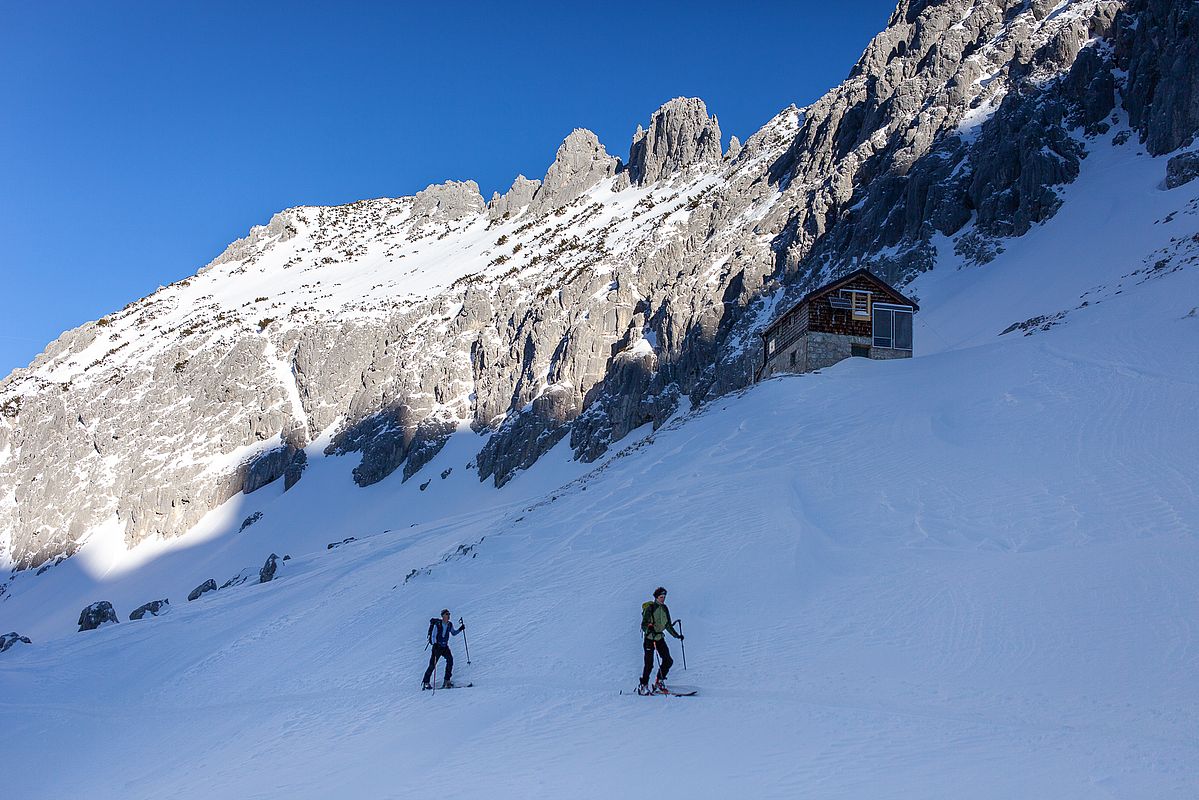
<point x="826" y="319"/>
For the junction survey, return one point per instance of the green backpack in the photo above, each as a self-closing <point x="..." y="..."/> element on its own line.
<point x="647" y="611"/>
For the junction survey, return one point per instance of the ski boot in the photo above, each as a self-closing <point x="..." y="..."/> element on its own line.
<point x="426" y="685"/>
<point x="446" y="684"/>
<point x="660" y="687"/>
<point x="643" y="689"/>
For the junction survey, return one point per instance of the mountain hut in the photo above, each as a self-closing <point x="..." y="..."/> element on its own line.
<point x="859" y="314"/>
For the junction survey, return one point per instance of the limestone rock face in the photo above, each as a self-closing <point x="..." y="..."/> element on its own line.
<point x="452" y="200"/>
<point x="520" y="442"/>
<point x="1158" y="45"/>
<point x="915" y="140"/>
<point x="513" y="201"/>
<point x="615" y="298"/>
<point x="295" y="469"/>
<point x="581" y="162"/>
<point x="734" y="148"/>
<point x="272" y="465"/>
<point x="681" y="134"/>
<point x="96" y="615"/>
<point x="278" y="230"/>
<point x="154" y="608"/>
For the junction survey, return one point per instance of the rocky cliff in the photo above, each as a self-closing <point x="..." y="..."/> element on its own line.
<point x="598" y="299"/>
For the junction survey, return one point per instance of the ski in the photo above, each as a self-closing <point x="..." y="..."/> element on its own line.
<point x="682" y="691"/>
<point x="447" y="688"/>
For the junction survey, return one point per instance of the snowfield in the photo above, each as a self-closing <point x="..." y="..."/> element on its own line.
<point x="966" y="575"/>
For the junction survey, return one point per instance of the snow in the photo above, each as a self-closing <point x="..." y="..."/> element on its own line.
<point x="641" y="348"/>
<point x="968" y="574"/>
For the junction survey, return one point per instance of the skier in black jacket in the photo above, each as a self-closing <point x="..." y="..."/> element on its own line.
<point x="440" y="631"/>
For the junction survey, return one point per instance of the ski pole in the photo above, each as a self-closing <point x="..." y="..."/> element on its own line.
<point x="682" y="643"/>
<point x="465" y="643"/>
<point x="434" y="674"/>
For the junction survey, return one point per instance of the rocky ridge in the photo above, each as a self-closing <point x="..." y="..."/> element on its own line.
<point x="601" y="298"/>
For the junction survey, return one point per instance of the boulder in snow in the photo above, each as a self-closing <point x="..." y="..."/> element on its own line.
<point x="250" y="520"/>
<point x="97" y="614"/>
<point x="268" y="569"/>
<point x="1182" y="169"/>
<point x="239" y="578"/>
<point x="9" y="639"/>
<point x="207" y="586"/>
<point x="153" y="608"/>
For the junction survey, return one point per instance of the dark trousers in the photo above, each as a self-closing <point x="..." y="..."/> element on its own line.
<point x="663" y="651"/>
<point x="440" y="650"/>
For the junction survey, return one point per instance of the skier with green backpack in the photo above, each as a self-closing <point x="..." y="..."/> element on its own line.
<point x="655" y="623"/>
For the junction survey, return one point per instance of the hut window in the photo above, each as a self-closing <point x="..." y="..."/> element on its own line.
<point x="861" y="305"/>
<point x="893" y="328"/>
<point x="858" y="303"/>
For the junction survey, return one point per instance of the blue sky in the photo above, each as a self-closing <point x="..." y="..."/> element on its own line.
<point x="140" y="138"/>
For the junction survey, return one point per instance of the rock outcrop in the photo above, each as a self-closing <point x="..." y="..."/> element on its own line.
<point x="250" y="520"/>
<point x="241" y="577"/>
<point x="680" y="135"/>
<point x="1157" y="45"/>
<point x="267" y="573"/>
<point x="207" y="586"/>
<point x="452" y="200"/>
<point x="581" y="162"/>
<point x="513" y="201"/>
<point x="97" y="615"/>
<point x="154" y="608"/>
<point x="1182" y="169"/>
<point x="12" y="638"/>
<point x="734" y="148"/>
<point x="271" y="465"/>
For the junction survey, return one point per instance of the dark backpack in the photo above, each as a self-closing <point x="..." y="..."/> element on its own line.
<point x="433" y="621"/>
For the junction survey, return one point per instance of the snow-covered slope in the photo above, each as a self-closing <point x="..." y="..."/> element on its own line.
<point x="969" y="574"/>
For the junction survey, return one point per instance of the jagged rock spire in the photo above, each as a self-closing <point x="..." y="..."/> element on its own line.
<point x="581" y="163"/>
<point x="680" y="134"/>
<point x="512" y="201"/>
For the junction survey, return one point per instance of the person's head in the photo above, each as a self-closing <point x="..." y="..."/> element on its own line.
<point x="660" y="595"/>
<point x="445" y="613"/>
